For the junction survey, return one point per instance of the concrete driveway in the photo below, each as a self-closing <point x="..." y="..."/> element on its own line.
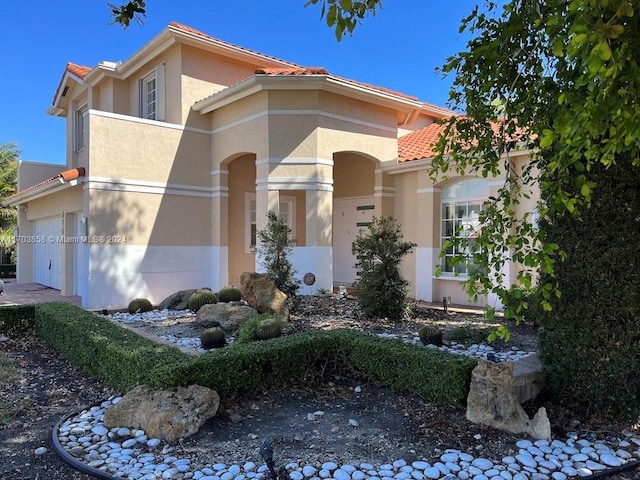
<point x="24" y="293"/>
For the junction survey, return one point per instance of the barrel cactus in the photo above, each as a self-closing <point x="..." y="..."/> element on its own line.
<point x="139" y="305"/>
<point x="229" y="294"/>
<point x="430" y="335"/>
<point x="213" y="338"/>
<point x="269" y="328"/>
<point x="200" y="298"/>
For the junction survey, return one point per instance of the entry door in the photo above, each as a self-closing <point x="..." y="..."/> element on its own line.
<point x="350" y="215"/>
<point x="47" y="251"/>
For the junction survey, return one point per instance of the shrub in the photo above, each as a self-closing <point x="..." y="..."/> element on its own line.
<point x="16" y="320"/>
<point x="431" y="335"/>
<point x="589" y="340"/>
<point x="379" y="251"/>
<point x="229" y="294"/>
<point x="139" y="305"/>
<point x="273" y="253"/>
<point x="201" y="297"/>
<point x="213" y="337"/>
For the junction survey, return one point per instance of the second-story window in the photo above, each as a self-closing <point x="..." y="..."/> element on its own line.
<point x="80" y="126"/>
<point x="151" y="94"/>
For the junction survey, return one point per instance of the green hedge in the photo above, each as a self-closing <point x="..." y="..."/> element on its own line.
<point x="116" y="356"/>
<point x="122" y="359"/>
<point x="15" y="320"/>
<point x="7" y="270"/>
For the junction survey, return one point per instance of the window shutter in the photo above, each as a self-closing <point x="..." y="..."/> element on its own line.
<point x="160" y="92"/>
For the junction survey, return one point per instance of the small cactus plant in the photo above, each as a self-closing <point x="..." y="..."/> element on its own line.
<point x="229" y="294"/>
<point x="269" y="328"/>
<point x="200" y="298"/>
<point x="430" y="335"/>
<point x="139" y="305"/>
<point x="213" y="338"/>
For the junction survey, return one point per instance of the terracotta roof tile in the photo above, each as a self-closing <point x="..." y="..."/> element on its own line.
<point x="65" y="176"/>
<point x="419" y="144"/>
<point x="188" y="29"/>
<point x="292" y="71"/>
<point x="77" y="70"/>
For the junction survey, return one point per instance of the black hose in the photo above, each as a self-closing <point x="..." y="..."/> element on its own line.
<point x="71" y="460"/>
<point x="614" y="470"/>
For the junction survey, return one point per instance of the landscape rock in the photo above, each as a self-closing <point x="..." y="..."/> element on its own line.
<point x="176" y="301"/>
<point x="229" y="316"/>
<point x="164" y="414"/>
<point x="262" y="294"/>
<point x="493" y="401"/>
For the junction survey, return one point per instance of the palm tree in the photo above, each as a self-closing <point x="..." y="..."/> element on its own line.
<point x="9" y="154"/>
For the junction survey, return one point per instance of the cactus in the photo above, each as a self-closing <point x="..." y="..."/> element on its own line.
<point x="430" y="335"/>
<point x="213" y="338"/>
<point x="229" y="294"/>
<point x="200" y="298"/>
<point x="139" y="305"/>
<point x="269" y="328"/>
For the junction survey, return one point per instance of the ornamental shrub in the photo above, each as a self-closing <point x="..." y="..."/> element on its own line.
<point x="589" y="341"/>
<point x="379" y="251"/>
<point x="274" y="249"/>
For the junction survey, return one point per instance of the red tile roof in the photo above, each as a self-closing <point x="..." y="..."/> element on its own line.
<point x="77" y="70"/>
<point x="292" y="71"/>
<point x="419" y="144"/>
<point x="65" y="176"/>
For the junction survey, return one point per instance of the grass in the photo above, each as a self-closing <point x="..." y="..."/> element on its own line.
<point x="8" y="376"/>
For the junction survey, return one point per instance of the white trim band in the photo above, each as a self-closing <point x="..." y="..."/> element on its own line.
<point x="295" y="161"/>
<point x="158" y="188"/>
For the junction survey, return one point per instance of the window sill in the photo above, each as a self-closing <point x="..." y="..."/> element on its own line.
<point x="451" y="278"/>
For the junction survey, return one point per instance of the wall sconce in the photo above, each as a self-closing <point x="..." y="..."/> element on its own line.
<point x="83" y="227"/>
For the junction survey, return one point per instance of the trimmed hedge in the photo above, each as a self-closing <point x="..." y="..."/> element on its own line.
<point x="122" y="359"/>
<point x="116" y="356"/>
<point x="16" y="320"/>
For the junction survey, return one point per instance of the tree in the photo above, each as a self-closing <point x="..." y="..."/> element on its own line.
<point x="9" y="155"/>
<point x="273" y="251"/>
<point x="379" y="250"/>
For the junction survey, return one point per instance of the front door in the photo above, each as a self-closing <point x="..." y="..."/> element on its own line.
<point x="350" y="215"/>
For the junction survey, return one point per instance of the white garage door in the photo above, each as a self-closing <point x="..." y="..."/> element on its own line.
<point x="47" y="251"/>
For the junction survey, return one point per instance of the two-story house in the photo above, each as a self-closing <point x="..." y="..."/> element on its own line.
<point x="175" y="156"/>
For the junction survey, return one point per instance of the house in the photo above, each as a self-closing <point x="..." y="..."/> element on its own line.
<point x="175" y="156"/>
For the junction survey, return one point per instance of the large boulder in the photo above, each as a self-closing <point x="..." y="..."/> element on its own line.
<point x="177" y="301"/>
<point x="493" y="401"/>
<point x="230" y="316"/>
<point x="165" y="414"/>
<point x="262" y="294"/>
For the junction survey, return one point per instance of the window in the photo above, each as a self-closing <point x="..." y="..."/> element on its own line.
<point x="462" y="203"/>
<point x="286" y="214"/>
<point x="80" y="125"/>
<point x="151" y="94"/>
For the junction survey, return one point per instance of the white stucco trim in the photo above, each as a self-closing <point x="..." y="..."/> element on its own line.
<point x="382" y="191"/>
<point x="158" y="188"/>
<point x="219" y="267"/>
<point x="295" y="183"/>
<point x="426" y="258"/>
<point x="118" y="273"/>
<point x="219" y="172"/>
<point x="295" y="161"/>
<point x="428" y="190"/>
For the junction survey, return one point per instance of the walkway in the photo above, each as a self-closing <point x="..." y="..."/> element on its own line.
<point x="23" y="293"/>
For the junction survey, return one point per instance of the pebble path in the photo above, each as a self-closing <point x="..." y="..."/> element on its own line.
<point x="129" y="454"/>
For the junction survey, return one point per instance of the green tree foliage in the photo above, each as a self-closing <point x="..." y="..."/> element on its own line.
<point x="132" y="10"/>
<point x="9" y="154"/>
<point x="274" y="249"/>
<point x="379" y="250"/>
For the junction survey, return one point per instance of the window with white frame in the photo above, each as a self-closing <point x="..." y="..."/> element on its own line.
<point x="151" y="94"/>
<point x="462" y="203"/>
<point x="287" y="214"/>
<point x="79" y="127"/>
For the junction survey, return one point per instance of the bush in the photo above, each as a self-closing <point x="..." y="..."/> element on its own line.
<point x="379" y="251"/>
<point x="201" y="297"/>
<point x="589" y="341"/>
<point x="229" y="294"/>
<point x="139" y="305"/>
<point x="274" y="251"/>
<point x="16" y="320"/>
<point x="113" y="354"/>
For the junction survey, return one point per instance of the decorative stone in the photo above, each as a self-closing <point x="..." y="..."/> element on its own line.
<point x="41" y="451"/>
<point x="261" y="293"/>
<point x="229" y="316"/>
<point x="493" y="401"/>
<point x="166" y="414"/>
<point x="177" y="301"/>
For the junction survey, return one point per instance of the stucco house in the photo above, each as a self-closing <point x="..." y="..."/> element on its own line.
<point x="175" y="156"/>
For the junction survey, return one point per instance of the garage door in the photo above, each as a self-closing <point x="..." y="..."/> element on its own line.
<point x="47" y="251"/>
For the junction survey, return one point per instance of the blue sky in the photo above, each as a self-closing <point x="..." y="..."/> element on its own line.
<point x="398" y="49"/>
